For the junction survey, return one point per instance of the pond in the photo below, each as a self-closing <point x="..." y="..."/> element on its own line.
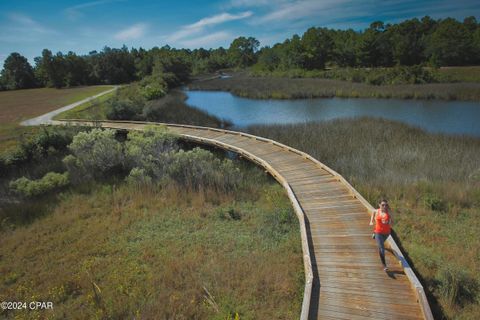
<point x="451" y="117"/>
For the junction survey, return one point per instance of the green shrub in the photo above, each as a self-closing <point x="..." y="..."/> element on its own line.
<point x="433" y="202"/>
<point x="31" y="188"/>
<point x="123" y="110"/>
<point x="138" y="177"/>
<point x="199" y="169"/>
<point x="94" y="154"/>
<point x="149" y="149"/>
<point x="152" y="92"/>
<point x="153" y="87"/>
<point x="228" y="213"/>
<point x="456" y="286"/>
<point x="49" y="140"/>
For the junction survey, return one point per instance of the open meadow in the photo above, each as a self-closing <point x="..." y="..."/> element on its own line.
<point x="158" y="252"/>
<point x="197" y="235"/>
<point x="19" y="105"/>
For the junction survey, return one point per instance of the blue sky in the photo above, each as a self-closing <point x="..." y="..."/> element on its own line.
<point x="28" y="27"/>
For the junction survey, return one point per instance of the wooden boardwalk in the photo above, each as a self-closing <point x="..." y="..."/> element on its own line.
<point x="344" y="276"/>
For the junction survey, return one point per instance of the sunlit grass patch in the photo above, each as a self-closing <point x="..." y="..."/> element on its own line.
<point x="122" y="252"/>
<point x="92" y="110"/>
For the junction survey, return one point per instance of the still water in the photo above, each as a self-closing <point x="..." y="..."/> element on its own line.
<point x="451" y="117"/>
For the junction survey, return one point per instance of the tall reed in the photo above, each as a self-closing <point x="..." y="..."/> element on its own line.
<point x="433" y="184"/>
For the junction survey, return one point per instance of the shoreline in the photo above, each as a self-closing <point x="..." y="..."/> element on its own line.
<point x="262" y="88"/>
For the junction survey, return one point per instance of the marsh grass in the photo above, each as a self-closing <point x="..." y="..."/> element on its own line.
<point x="433" y="184"/>
<point x="459" y="74"/>
<point x="158" y="251"/>
<point x="105" y="248"/>
<point x="243" y="85"/>
<point x="391" y="75"/>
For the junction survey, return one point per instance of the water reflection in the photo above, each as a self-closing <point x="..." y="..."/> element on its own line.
<point x="453" y="117"/>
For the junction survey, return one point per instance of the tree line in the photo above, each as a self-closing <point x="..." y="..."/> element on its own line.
<point x="444" y="42"/>
<point x="425" y="41"/>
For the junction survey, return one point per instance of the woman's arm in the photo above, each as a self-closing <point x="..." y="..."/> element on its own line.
<point x="372" y="217"/>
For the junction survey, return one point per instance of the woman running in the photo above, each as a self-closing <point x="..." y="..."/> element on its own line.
<point x="383" y="224"/>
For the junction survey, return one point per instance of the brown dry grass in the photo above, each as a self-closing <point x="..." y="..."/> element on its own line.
<point x="145" y="253"/>
<point x="19" y="105"/>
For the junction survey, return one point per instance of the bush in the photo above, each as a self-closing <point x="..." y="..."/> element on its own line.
<point x="152" y="92"/>
<point x="199" y="169"/>
<point x="433" y="202"/>
<point x="153" y="87"/>
<point x="127" y="104"/>
<point x="49" y="140"/>
<point x="31" y="188"/>
<point x="149" y="150"/>
<point x="138" y="177"/>
<point x="123" y="110"/>
<point x="457" y="286"/>
<point x="94" y="154"/>
<point x="152" y="155"/>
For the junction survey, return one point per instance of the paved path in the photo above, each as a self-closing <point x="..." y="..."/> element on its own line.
<point x="343" y="274"/>
<point x="47" y="117"/>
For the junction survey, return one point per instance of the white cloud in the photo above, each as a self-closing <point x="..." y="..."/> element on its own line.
<point x="208" y="41"/>
<point x="349" y="13"/>
<point x="134" y="32"/>
<point x="219" y="18"/>
<point x="20" y="28"/>
<point x="23" y="22"/>
<point x="307" y="8"/>
<point x="199" y="26"/>
<point x="254" y="3"/>
<point x="74" y="12"/>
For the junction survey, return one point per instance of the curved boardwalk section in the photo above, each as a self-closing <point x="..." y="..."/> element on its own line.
<point x="344" y="276"/>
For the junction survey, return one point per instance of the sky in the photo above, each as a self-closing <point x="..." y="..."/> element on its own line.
<point x="27" y="27"/>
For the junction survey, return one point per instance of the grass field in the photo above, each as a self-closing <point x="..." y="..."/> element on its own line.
<point x="19" y="105"/>
<point x="117" y="251"/>
<point x="156" y="254"/>
<point x="94" y="109"/>
<point x="459" y="74"/>
<point x="433" y="184"/>
<point x="243" y="85"/>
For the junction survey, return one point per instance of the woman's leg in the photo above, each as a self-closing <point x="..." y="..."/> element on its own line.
<point x="380" y="238"/>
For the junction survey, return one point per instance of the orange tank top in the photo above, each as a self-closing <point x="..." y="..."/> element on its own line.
<point x="382" y="223"/>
